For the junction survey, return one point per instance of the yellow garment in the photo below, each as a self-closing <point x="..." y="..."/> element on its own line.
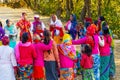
<point x="58" y="39"/>
<point x="0" y="43"/>
<point x="67" y="39"/>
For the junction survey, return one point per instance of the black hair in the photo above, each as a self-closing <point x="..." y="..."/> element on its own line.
<point x="102" y="18"/>
<point x="87" y="50"/>
<point x="25" y="37"/>
<point x="1" y="24"/>
<point x="47" y="36"/>
<point x="7" y="21"/>
<point x="106" y="31"/>
<point x="47" y="39"/>
<point x="96" y="22"/>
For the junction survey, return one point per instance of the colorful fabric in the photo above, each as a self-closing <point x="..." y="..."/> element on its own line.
<point x="66" y="48"/>
<point x="96" y="66"/>
<point x="66" y="38"/>
<point x="68" y="51"/>
<point x="25" y="72"/>
<point x="88" y="74"/>
<point x="112" y="63"/>
<point x="39" y="72"/>
<point x="24" y="26"/>
<point x="66" y="74"/>
<point x="104" y="67"/>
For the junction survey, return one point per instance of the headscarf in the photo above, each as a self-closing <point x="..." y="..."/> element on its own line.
<point x="67" y="39"/>
<point x="95" y="27"/>
<point x="67" y="49"/>
<point x="90" y="30"/>
<point x="5" y="40"/>
<point x="74" y="21"/>
<point x="90" y="37"/>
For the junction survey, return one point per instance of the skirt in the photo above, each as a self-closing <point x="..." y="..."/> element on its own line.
<point x="39" y="72"/>
<point x="67" y="74"/>
<point x="51" y="70"/>
<point x="25" y="72"/>
<point x="104" y="67"/>
<point x="96" y="66"/>
<point x="88" y="74"/>
<point x="112" y="63"/>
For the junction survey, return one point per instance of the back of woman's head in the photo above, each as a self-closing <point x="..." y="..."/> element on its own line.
<point x="47" y="36"/>
<point x="87" y="50"/>
<point x="105" y="30"/>
<point x="25" y="37"/>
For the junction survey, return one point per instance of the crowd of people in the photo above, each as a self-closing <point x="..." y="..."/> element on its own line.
<point x="50" y="53"/>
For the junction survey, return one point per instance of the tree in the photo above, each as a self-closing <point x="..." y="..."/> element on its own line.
<point x="99" y="7"/>
<point x="86" y="10"/>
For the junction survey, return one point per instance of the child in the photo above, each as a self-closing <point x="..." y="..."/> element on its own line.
<point x="87" y="63"/>
<point x="39" y="73"/>
<point x="67" y="54"/>
<point x="7" y="61"/>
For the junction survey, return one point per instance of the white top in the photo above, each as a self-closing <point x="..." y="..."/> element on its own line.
<point x="7" y="62"/>
<point x="57" y="23"/>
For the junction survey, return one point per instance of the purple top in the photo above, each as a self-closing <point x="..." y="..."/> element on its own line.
<point x="95" y="49"/>
<point x="2" y="33"/>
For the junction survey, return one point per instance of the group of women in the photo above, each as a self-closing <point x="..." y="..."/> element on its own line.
<point x="43" y="54"/>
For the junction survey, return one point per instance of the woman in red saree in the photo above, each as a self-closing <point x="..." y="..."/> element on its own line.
<point x="24" y="25"/>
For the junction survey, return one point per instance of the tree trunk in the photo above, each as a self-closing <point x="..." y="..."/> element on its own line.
<point x="71" y="5"/>
<point x="67" y="8"/>
<point x="83" y="12"/>
<point x="99" y="7"/>
<point x="35" y="4"/>
<point x="59" y="9"/>
<point x="88" y="7"/>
